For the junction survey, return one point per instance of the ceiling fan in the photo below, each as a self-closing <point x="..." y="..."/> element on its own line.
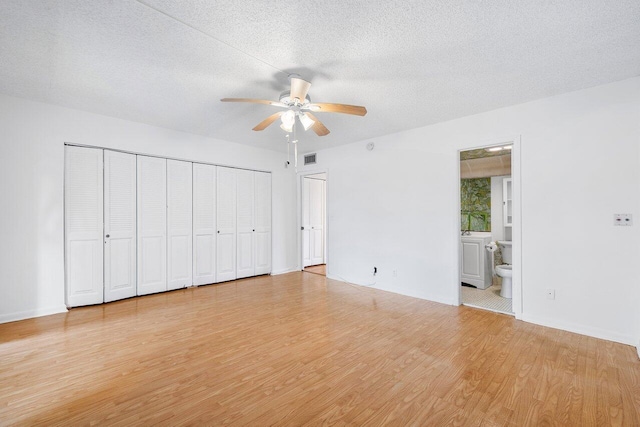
<point x="297" y="104"/>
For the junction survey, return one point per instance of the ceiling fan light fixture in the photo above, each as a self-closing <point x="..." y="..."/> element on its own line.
<point x="306" y="121"/>
<point x="288" y="119"/>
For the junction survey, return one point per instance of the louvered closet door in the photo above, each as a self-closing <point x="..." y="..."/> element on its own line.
<point x="226" y="224"/>
<point x="316" y="220"/>
<point x="204" y="224"/>
<point x="152" y="225"/>
<point x="179" y="226"/>
<point x="83" y="203"/>
<point x="245" y="226"/>
<point x="262" y="221"/>
<point x="119" y="225"/>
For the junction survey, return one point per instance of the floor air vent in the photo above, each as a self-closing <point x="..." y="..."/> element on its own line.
<point x="310" y="159"/>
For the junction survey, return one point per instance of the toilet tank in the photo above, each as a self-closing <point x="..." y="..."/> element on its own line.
<point x="505" y="248"/>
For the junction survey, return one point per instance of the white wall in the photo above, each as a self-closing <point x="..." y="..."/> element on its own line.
<point x="32" y="137"/>
<point x="497" y="221"/>
<point x="395" y="207"/>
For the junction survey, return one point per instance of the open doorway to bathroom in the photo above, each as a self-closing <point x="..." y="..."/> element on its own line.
<point x="486" y="224"/>
<point x="313" y="223"/>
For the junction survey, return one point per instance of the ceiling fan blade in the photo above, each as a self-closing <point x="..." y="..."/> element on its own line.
<point x="337" y="108"/>
<point x="299" y="88"/>
<point x="318" y="127"/>
<point x="266" y="122"/>
<point x="255" y="101"/>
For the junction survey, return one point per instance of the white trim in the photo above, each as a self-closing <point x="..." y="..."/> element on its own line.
<point x="579" y="329"/>
<point x="516" y="229"/>
<point x="22" y="315"/>
<point x="71" y="144"/>
<point x="283" y="271"/>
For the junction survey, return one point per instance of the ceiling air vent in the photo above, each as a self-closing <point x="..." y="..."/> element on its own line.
<point x="310" y="159"/>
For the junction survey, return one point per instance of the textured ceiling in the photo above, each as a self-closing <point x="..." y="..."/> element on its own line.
<point x="411" y="63"/>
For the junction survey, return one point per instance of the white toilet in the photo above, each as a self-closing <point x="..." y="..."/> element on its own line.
<point x="504" y="271"/>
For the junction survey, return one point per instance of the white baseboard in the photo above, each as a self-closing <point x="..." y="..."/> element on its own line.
<point x="21" y="315"/>
<point x="433" y="298"/>
<point x="284" y="271"/>
<point x="580" y="329"/>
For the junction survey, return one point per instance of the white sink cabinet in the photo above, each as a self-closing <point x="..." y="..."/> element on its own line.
<point x="475" y="262"/>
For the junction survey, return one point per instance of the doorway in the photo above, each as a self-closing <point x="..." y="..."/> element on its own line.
<point x="489" y="237"/>
<point x="313" y="228"/>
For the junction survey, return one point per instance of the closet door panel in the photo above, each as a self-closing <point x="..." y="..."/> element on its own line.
<point x="306" y="222"/>
<point x="316" y="209"/>
<point x="262" y="239"/>
<point x="152" y="225"/>
<point x="83" y="206"/>
<point x="179" y="224"/>
<point x="204" y="224"/>
<point x="119" y="225"/>
<point x="245" y="223"/>
<point x="226" y="224"/>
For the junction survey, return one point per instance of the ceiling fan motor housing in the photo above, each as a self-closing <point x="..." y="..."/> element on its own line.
<point x="285" y="98"/>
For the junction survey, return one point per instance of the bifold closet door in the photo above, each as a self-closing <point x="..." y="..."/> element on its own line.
<point x="245" y="223"/>
<point x="204" y="224"/>
<point x="119" y="225"/>
<point x="179" y="224"/>
<point x="152" y="225"/>
<point x="83" y="212"/>
<point x="262" y="223"/>
<point x="226" y="224"/>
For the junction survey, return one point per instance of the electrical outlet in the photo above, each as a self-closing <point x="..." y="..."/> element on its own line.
<point x="551" y="294"/>
<point x="623" y="220"/>
<point x="395" y="273"/>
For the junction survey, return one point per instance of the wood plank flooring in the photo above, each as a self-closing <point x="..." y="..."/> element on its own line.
<point x="300" y="349"/>
<point x="317" y="269"/>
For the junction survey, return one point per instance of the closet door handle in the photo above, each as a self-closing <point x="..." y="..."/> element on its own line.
<point x="107" y="236"/>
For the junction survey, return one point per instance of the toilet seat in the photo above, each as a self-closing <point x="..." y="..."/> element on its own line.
<point x="505" y="270"/>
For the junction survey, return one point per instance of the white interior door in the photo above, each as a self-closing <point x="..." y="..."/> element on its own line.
<point x="83" y="209"/>
<point x="204" y="224"/>
<point x="226" y="224"/>
<point x="245" y="230"/>
<point x="306" y="222"/>
<point x="119" y="225"/>
<point x="179" y="224"/>
<point x="316" y="215"/>
<point x="152" y="225"/>
<point x="262" y="222"/>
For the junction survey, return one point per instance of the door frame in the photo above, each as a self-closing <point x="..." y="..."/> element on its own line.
<point x="299" y="189"/>
<point x="516" y="228"/>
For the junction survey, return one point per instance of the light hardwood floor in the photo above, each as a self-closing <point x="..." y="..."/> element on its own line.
<point x="301" y="349"/>
<point x="317" y="269"/>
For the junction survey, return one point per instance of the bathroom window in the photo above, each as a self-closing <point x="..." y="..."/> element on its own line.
<point x="475" y="204"/>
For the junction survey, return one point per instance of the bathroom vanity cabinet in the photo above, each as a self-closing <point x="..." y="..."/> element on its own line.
<point x="475" y="263"/>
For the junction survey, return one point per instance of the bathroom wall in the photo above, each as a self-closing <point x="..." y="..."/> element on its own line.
<point x="497" y="223"/>
<point x="397" y="207"/>
<point x="475" y="204"/>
